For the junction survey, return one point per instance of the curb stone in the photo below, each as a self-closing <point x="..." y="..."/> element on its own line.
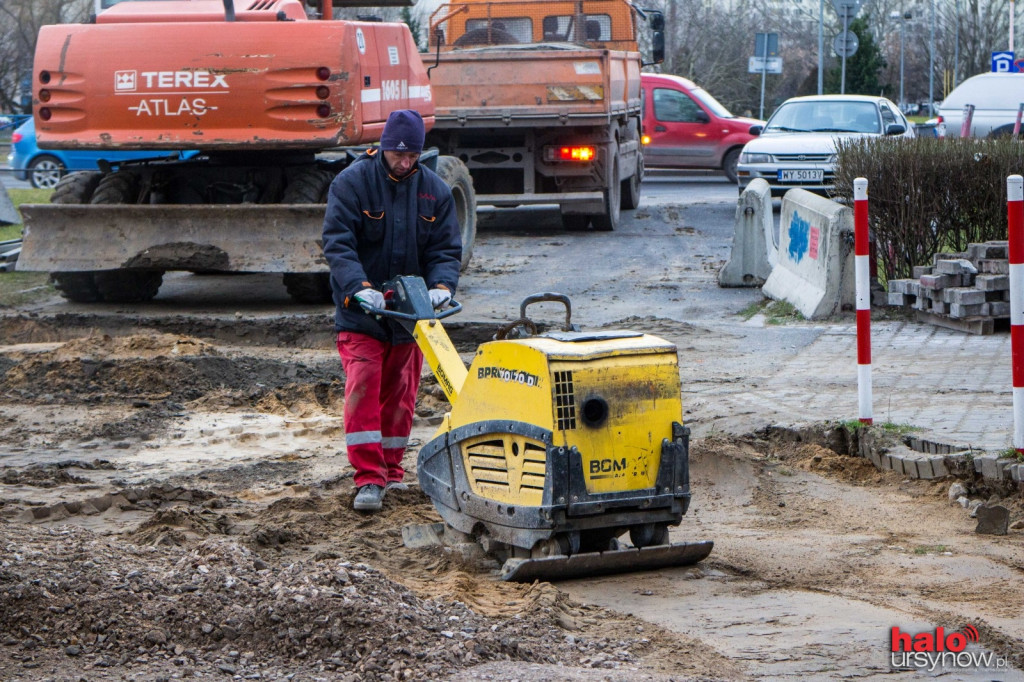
<point x="924" y="459"/>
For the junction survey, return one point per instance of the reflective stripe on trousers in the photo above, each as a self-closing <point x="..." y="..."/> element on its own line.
<point x="381" y="381"/>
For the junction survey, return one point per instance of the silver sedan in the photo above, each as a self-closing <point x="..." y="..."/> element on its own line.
<point x="797" y="146"/>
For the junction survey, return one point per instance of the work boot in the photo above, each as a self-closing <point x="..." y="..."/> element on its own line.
<point x="369" y="498"/>
<point x="396" y="485"/>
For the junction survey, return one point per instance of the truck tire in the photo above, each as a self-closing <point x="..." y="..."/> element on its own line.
<point x="575" y="222"/>
<point x="310" y="186"/>
<point x="457" y="177"/>
<point x="124" y="286"/>
<point x="609" y="219"/>
<point x="631" y="186"/>
<point x="76" y="188"/>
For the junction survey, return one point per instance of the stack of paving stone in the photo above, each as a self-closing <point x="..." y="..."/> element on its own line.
<point x="965" y="291"/>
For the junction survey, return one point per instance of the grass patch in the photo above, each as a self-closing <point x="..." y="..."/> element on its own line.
<point x="775" y="312"/>
<point x="30" y="196"/>
<point x="781" y="312"/>
<point x="21" y="288"/>
<point x="753" y="309"/>
<point x="898" y="429"/>
<point x="19" y="197"/>
<point x="931" y="549"/>
<point x="889" y="427"/>
<point x="1011" y="453"/>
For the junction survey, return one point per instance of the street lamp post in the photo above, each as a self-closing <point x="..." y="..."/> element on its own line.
<point x="903" y="24"/>
<point x="821" y="46"/>
<point x="956" y="48"/>
<point x="931" y="62"/>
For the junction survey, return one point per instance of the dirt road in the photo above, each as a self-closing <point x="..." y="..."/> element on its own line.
<point x="175" y="502"/>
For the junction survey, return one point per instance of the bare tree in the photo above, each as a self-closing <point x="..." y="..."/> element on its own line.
<point x="20" y="21"/>
<point x="984" y="27"/>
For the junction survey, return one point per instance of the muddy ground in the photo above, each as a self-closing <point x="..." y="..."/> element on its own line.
<point x="175" y="502"/>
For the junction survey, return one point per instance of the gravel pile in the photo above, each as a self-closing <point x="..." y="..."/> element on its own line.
<point x="72" y="602"/>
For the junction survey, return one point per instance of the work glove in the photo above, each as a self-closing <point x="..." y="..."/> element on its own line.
<point x="439" y="297"/>
<point x="370" y="298"/>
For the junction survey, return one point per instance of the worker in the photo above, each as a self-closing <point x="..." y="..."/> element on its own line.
<point x="387" y="215"/>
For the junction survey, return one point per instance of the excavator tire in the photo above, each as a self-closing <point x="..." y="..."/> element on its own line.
<point x="76" y="188"/>
<point x="309" y="186"/>
<point x="128" y="286"/>
<point x="77" y="287"/>
<point x="457" y="177"/>
<point x="123" y="286"/>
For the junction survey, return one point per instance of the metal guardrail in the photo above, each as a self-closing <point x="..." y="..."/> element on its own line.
<point x="12" y="121"/>
<point x="9" y="252"/>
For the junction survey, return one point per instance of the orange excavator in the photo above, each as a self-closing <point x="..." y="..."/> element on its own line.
<point x="275" y="103"/>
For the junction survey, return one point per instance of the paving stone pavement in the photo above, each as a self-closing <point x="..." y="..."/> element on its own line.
<point x="954" y="386"/>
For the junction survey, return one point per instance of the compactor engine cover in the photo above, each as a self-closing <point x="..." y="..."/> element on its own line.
<point x="570" y="435"/>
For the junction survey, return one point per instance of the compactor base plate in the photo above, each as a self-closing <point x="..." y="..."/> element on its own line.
<point x="604" y="563"/>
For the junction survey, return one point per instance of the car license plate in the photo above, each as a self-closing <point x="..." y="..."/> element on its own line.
<point x="807" y="175"/>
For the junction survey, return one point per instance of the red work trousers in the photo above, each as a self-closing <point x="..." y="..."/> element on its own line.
<point x="381" y="381"/>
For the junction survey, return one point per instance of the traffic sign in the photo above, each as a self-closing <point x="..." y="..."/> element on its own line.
<point x="769" y="65"/>
<point x="846" y="10"/>
<point x="845" y="44"/>
<point x="1003" y="62"/>
<point x="772" y="47"/>
<point x="847" y="5"/>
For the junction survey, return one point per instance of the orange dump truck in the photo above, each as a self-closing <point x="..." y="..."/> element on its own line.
<point x="273" y="103"/>
<point x="541" y="100"/>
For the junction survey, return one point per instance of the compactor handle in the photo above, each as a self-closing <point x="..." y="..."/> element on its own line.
<point x="556" y="298"/>
<point x="438" y="314"/>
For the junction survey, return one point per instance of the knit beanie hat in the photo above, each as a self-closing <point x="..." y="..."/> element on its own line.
<point x="404" y="132"/>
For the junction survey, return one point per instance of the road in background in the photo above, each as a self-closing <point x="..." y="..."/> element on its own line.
<point x="658" y="273"/>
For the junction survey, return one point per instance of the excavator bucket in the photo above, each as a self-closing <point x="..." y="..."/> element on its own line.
<point x="589" y="564"/>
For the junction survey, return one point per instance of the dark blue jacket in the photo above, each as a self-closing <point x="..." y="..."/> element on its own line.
<point x="377" y="228"/>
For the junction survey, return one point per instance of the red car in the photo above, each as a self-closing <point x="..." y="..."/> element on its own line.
<point x="685" y="127"/>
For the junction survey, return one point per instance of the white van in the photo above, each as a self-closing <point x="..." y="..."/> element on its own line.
<point x="996" y="98"/>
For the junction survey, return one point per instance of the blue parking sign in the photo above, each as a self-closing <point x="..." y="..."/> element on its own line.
<point x="1003" y="62"/>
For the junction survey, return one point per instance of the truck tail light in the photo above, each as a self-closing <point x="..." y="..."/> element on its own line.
<point x="580" y="153"/>
<point x="645" y="139"/>
<point x="16" y="138"/>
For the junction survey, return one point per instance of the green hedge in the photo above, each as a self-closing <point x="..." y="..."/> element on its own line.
<point x="929" y="195"/>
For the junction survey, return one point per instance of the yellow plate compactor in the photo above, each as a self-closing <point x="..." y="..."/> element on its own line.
<point x="556" y="445"/>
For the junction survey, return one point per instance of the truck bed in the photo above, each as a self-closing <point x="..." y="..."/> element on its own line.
<point x="533" y="85"/>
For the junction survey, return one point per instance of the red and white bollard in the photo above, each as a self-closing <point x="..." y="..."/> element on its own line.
<point x="1015" y="230"/>
<point x="861" y="249"/>
<point x="965" y="125"/>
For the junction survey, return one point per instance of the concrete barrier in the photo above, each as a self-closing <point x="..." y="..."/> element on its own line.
<point x="8" y="214"/>
<point x="815" y="268"/>
<point x="753" y="240"/>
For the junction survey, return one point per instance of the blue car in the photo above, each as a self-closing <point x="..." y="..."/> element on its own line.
<point x="43" y="168"/>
